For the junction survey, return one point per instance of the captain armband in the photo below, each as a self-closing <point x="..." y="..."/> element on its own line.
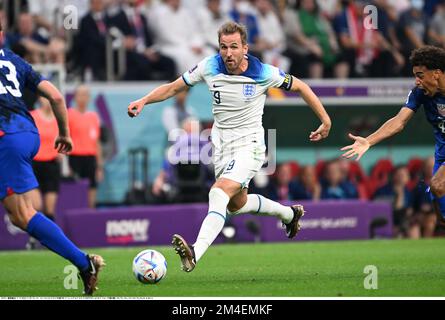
<point x="287" y="83"/>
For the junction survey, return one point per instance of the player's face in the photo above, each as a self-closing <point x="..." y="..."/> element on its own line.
<point x="428" y="80"/>
<point x="232" y="50"/>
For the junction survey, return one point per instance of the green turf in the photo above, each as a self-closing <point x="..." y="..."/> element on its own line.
<point x="312" y="269"/>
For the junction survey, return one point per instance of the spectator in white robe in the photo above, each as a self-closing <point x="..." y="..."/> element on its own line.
<point x="177" y="35"/>
<point x="273" y="38"/>
<point x="210" y="19"/>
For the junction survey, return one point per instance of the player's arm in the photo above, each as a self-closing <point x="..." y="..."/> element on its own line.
<point x="312" y="100"/>
<point x="63" y="142"/>
<point x="161" y="93"/>
<point x="388" y="129"/>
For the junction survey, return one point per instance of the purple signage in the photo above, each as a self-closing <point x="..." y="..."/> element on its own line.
<point x="154" y="225"/>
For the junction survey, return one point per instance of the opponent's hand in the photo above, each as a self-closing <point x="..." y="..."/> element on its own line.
<point x="358" y="148"/>
<point x="135" y="108"/>
<point x="63" y="144"/>
<point x="321" y="133"/>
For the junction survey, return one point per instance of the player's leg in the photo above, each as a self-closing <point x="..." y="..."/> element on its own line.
<point x="18" y="194"/>
<point x="38" y="205"/>
<point x="438" y="190"/>
<point x="23" y="215"/>
<point x="88" y="170"/>
<point x="51" y="188"/>
<point x="50" y="200"/>
<point x="48" y="177"/>
<point x="219" y="196"/>
<point x="258" y="205"/>
<point x="85" y="167"/>
<point x="429" y="224"/>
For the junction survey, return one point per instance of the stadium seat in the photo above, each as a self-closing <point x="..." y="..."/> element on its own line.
<point x="357" y="176"/>
<point x="415" y="170"/>
<point x="190" y="183"/>
<point x="356" y="173"/>
<point x="319" y="168"/>
<point x="379" y="175"/>
<point x="295" y="167"/>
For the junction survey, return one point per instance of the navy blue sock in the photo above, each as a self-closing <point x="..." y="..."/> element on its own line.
<point x="52" y="237"/>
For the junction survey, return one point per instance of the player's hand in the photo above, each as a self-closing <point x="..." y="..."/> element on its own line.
<point x="135" y="108"/>
<point x="321" y="133"/>
<point x="63" y="144"/>
<point x="358" y="148"/>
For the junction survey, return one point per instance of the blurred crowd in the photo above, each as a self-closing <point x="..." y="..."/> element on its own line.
<point x="185" y="176"/>
<point x="163" y="38"/>
<point x="404" y="186"/>
<point x="308" y="38"/>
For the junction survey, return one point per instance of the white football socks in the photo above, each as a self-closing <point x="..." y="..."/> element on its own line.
<point x="213" y="223"/>
<point x="257" y="204"/>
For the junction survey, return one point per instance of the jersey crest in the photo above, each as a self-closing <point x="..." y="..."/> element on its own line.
<point x="249" y="90"/>
<point x="441" y="109"/>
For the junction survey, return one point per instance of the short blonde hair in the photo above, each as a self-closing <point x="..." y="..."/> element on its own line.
<point x="232" y="27"/>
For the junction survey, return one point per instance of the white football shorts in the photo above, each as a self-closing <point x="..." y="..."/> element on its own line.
<point x="238" y="154"/>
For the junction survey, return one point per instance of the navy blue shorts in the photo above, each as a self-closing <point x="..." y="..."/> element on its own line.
<point x="16" y="153"/>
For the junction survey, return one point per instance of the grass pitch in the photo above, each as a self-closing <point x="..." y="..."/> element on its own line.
<point x="299" y="269"/>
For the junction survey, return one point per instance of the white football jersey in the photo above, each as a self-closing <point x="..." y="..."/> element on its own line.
<point x="238" y="100"/>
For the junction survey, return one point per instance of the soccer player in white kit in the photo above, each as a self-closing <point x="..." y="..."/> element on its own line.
<point x="238" y="83"/>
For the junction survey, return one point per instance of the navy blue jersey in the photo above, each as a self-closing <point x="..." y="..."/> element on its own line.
<point x="435" y="113"/>
<point x="16" y="75"/>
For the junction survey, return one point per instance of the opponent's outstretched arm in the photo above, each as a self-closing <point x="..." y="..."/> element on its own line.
<point x="312" y="100"/>
<point x="388" y="129"/>
<point x="160" y="93"/>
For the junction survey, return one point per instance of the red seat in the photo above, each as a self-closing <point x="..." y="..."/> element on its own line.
<point x="415" y="166"/>
<point x="415" y="171"/>
<point x="295" y="167"/>
<point x="362" y="190"/>
<point x="319" y="168"/>
<point x="356" y="173"/>
<point x="380" y="175"/>
<point x="358" y="177"/>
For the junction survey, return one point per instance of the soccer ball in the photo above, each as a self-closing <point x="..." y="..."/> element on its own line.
<point x="149" y="266"/>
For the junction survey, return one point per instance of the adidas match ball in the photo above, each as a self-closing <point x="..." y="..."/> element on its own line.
<point x="149" y="266"/>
